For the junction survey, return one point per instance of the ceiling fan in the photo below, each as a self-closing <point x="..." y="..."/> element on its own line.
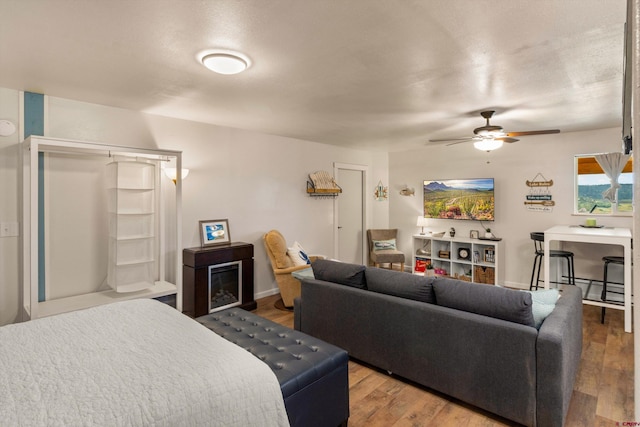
<point x="490" y="137"/>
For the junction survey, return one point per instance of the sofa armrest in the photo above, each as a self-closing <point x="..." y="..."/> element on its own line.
<point x="559" y="350"/>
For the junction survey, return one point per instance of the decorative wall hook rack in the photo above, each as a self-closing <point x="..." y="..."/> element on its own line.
<point x="381" y="192"/>
<point x="321" y="184"/>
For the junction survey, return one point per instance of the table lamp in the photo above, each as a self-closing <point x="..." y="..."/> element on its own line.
<point x="422" y="222"/>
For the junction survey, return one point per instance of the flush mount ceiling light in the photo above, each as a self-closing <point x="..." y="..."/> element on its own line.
<point x="224" y="61"/>
<point x="488" y="144"/>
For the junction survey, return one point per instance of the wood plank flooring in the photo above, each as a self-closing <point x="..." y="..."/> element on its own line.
<point x="602" y="396"/>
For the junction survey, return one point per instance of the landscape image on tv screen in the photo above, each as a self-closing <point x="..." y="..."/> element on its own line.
<point x="470" y="199"/>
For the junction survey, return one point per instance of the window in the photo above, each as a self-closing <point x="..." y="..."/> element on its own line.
<point x="591" y="182"/>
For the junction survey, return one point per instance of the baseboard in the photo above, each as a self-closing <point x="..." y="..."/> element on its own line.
<point x="516" y="285"/>
<point x="267" y="293"/>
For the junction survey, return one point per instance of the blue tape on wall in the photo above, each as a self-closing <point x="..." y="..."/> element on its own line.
<point x="33" y="114"/>
<point x="34" y="125"/>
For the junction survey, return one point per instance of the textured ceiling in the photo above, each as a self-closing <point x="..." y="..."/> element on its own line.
<point x="375" y="74"/>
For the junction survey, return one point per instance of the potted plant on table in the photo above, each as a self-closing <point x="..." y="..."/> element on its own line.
<point x="429" y="271"/>
<point x="487" y="233"/>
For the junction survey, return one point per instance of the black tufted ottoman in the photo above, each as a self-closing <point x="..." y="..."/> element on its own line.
<point x="313" y="374"/>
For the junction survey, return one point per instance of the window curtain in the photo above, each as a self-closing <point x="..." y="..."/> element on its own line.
<point x="612" y="165"/>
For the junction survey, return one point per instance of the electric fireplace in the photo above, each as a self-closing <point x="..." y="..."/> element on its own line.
<point x="215" y="277"/>
<point x="225" y="285"/>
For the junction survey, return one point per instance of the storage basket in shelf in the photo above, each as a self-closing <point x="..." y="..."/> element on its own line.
<point x="484" y="275"/>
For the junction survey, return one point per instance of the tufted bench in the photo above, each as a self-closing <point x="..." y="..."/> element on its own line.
<point x="313" y="374"/>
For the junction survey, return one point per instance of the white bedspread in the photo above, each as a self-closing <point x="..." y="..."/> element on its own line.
<point x="131" y="363"/>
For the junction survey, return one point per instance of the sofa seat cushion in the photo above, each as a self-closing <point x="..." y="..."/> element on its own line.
<point x="342" y="273"/>
<point x="487" y="300"/>
<point x="403" y="285"/>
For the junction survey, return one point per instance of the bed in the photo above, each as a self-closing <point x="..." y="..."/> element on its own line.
<point x="131" y="363"/>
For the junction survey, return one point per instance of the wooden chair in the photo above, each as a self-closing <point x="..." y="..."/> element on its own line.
<point x="380" y="249"/>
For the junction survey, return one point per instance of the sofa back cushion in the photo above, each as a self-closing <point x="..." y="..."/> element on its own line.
<point x="396" y="283"/>
<point x="487" y="300"/>
<point x="342" y="273"/>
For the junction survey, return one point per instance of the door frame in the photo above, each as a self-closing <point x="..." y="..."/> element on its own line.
<point x="364" y="169"/>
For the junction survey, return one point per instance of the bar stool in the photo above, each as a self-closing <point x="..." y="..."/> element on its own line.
<point x="538" y="243"/>
<point x="618" y="260"/>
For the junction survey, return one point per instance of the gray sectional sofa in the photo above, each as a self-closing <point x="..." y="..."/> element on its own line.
<point x="477" y="343"/>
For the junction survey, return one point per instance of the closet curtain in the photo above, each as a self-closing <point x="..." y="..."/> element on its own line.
<point x="612" y="165"/>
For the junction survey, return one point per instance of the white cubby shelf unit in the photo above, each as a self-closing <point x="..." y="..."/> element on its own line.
<point x="483" y="263"/>
<point x="135" y="217"/>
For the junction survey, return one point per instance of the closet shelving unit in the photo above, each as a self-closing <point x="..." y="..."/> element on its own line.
<point x="141" y="256"/>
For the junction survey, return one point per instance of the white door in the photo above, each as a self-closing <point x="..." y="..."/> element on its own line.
<point x="350" y="214"/>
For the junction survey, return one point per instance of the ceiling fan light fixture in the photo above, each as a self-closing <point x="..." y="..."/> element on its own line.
<point x="490" y="133"/>
<point x="224" y="62"/>
<point x="488" y="144"/>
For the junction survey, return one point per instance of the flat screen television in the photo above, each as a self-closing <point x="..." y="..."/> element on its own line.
<point x="471" y="199"/>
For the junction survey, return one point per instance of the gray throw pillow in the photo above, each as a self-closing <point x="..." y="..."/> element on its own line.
<point x="339" y="272"/>
<point x="488" y="300"/>
<point x="404" y="285"/>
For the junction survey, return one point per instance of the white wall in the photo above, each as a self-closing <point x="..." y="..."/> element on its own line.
<point x="9" y="246"/>
<point x="257" y="181"/>
<point x="511" y="166"/>
<point x="254" y="180"/>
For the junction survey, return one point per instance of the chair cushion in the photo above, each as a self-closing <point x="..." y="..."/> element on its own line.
<point x="278" y="247"/>
<point x="487" y="300"/>
<point x="298" y="255"/>
<point x="339" y="272"/>
<point x="381" y="245"/>
<point x="387" y="256"/>
<point x="403" y="285"/>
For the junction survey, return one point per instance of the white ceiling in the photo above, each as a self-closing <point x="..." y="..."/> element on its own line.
<point x="375" y="74"/>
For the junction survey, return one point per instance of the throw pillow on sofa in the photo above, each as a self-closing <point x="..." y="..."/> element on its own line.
<point x="403" y="285"/>
<point x="342" y="273"/>
<point x="544" y="301"/>
<point x="487" y="300"/>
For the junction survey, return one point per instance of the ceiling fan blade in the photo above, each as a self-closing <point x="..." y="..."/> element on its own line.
<point x="534" y="132"/>
<point x="460" y="141"/>
<point x="452" y="139"/>
<point x="507" y="139"/>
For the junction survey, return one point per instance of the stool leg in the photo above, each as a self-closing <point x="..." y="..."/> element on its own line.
<point x="539" y="269"/>
<point x="573" y="272"/>
<point x="533" y="272"/>
<point x="603" y="296"/>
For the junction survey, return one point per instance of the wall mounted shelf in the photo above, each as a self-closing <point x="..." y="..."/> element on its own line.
<point x="322" y="192"/>
<point x="321" y="184"/>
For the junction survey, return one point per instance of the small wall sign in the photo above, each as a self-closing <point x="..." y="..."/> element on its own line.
<point x="539" y="198"/>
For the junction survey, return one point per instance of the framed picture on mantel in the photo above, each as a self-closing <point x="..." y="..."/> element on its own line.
<point x="214" y="232"/>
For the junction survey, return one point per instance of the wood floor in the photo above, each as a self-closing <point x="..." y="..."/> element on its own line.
<point x="602" y="396"/>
